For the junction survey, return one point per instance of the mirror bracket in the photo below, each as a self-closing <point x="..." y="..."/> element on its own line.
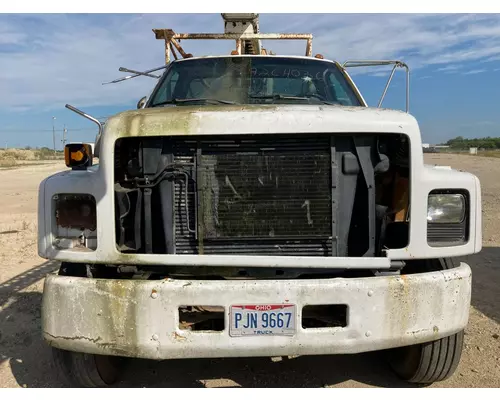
<point x="141" y="102"/>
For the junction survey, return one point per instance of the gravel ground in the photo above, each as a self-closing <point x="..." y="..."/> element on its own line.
<point x="25" y="360"/>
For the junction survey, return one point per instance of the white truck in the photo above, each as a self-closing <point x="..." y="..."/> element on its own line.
<point x="254" y="205"/>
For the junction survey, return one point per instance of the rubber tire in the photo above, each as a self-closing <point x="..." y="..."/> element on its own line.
<point x="434" y="361"/>
<point x="86" y="370"/>
<point x="428" y="362"/>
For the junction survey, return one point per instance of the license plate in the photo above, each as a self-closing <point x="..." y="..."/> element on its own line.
<point x="262" y="319"/>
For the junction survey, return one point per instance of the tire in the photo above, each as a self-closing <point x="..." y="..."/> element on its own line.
<point x="434" y="361"/>
<point x="428" y="362"/>
<point x="86" y="370"/>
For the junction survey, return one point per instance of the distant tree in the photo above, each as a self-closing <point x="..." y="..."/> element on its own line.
<point x="460" y="143"/>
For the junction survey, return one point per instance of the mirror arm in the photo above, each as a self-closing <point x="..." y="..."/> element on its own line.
<point x="142" y="102"/>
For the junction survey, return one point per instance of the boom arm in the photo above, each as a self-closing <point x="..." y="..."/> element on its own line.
<point x="242" y="28"/>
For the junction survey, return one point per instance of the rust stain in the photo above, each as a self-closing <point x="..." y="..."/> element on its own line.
<point x="309" y="47"/>
<point x="295" y="36"/>
<point x="180" y="49"/>
<point x="178" y="337"/>
<point x="165" y="33"/>
<point x="172" y="39"/>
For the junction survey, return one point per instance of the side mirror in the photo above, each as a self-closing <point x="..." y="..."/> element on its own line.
<point x="141" y="102"/>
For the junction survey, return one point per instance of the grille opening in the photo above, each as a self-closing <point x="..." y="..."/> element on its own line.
<point x="318" y="195"/>
<point x="248" y="196"/>
<point x="324" y="316"/>
<point x="358" y="240"/>
<point x="201" y="318"/>
<point x="397" y="235"/>
<point x="276" y="195"/>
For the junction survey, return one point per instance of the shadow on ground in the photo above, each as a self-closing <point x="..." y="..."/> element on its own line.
<point x="310" y="371"/>
<point x="486" y="281"/>
<point x="21" y="346"/>
<point x="21" y="343"/>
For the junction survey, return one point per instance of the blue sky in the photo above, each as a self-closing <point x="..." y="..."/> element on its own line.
<point x="48" y="60"/>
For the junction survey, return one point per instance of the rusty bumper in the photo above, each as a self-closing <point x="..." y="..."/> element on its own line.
<point x="140" y="318"/>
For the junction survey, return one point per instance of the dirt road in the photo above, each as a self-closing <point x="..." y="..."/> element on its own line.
<point x="25" y="359"/>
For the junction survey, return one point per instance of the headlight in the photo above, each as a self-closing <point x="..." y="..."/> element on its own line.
<point x="75" y="221"/>
<point x="447" y="218"/>
<point x="446" y="208"/>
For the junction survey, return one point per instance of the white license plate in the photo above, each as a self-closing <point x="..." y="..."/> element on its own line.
<point x="262" y="319"/>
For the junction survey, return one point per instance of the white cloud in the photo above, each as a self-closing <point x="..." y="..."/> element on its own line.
<point x="50" y="60"/>
<point x="67" y="60"/>
<point x="450" y="69"/>
<point x="462" y="55"/>
<point x="474" y="71"/>
<point x="7" y="37"/>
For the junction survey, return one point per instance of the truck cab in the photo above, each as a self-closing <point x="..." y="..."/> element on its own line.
<point x="254" y="205"/>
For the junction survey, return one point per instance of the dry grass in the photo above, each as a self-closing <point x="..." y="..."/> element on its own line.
<point x="17" y="154"/>
<point x="13" y="157"/>
<point x="482" y="153"/>
<point x="7" y="163"/>
<point x="489" y="153"/>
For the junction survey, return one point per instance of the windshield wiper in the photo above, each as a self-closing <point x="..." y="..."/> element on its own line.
<point x="194" y="100"/>
<point x="283" y="97"/>
<point x="278" y="97"/>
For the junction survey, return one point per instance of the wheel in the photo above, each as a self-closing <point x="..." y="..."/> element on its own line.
<point x="428" y="362"/>
<point x="86" y="370"/>
<point x="434" y="361"/>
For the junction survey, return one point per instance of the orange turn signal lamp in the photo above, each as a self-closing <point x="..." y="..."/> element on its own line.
<point x="78" y="155"/>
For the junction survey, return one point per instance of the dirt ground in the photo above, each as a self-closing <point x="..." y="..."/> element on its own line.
<point x="25" y="360"/>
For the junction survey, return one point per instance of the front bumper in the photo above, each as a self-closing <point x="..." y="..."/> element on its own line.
<point x="140" y="318"/>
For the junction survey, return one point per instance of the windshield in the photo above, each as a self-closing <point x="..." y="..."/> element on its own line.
<point x="253" y="80"/>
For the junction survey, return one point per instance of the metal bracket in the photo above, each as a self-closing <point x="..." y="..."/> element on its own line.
<point x="378" y="63"/>
<point x="85" y="115"/>
<point x="135" y="74"/>
<point x="172" y="38"/>
<point x="122" y="69"/>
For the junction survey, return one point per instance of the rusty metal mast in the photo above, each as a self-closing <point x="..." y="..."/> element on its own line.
<point x="242" y="28"/>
